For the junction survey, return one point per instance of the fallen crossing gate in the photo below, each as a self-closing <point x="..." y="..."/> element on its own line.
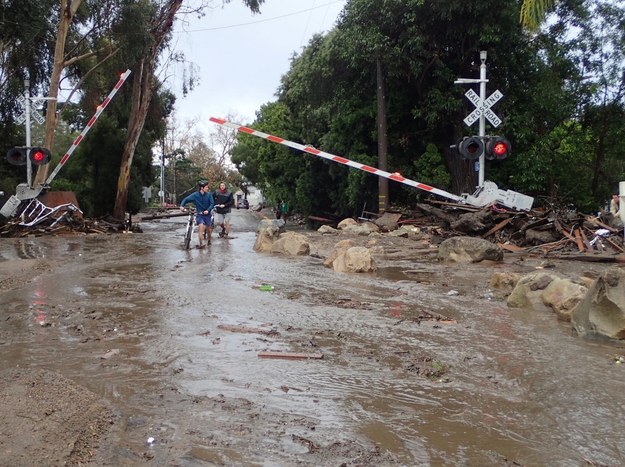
<point x="485" y="195"/>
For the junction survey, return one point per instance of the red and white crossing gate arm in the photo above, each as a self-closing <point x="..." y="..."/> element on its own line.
<point x="80" y="137"/>
<point x="341" y="160"/>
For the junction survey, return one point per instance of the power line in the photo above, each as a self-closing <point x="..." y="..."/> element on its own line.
<point x="263" y="20"/>
<point x="301" y="42"/>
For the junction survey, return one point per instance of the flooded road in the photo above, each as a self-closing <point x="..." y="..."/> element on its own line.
<point x="170" y="340"/>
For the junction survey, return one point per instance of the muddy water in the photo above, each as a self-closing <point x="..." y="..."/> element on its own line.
<point x="144" y="324"/>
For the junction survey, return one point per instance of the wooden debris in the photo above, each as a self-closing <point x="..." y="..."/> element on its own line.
<point x="578" y="239"/>
<point x="587" y="244"/>
<point x="290" y="355"/>
<point x="591" y="258"/>
<point x="498" y="227"/>
<point x="545" y="232"/>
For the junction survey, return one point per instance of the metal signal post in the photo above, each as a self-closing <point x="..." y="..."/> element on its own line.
<point x="482" y="110"/>
<point x="25" y="118"/>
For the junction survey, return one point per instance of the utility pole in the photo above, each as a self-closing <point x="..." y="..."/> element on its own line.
<point x="383" y="200"/>
<point x="161" y="193"/>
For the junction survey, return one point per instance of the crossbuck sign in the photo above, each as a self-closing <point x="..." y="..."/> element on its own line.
<point x="483" y="108"/>
<point x="33" y="114"/>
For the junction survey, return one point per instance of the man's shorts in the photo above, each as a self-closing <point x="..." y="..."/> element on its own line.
<point x="205" y="219"/>
<point x="222" y="218"/>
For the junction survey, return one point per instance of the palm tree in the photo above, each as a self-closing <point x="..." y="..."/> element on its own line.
<point x="533" y="12"/>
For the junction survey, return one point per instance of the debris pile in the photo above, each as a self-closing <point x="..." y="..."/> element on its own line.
<point x="68" y="223"/>
<point x="37" y="218"/>
<point x="541" y="231"/>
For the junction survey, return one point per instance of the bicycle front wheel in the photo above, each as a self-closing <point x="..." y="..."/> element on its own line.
<point x="187" y="235"/>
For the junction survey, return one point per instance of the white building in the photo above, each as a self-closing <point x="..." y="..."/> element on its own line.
<point x="254" y="197"/>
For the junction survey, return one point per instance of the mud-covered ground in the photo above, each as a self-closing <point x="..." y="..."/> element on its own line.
<point x="127" y="350"/>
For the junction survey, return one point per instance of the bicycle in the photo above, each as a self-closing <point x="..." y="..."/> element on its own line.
<point x="189" y="229"/>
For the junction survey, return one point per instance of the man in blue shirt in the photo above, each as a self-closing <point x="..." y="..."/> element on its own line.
<point x="204" y="204"/>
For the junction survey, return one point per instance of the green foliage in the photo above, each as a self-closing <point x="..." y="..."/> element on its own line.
<point x="430" y="168"/>
<point x="564" y="125"/>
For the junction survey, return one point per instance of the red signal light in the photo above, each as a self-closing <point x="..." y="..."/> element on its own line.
<point x="39" y="156"/>
<point x="497" y="148"/>
<point x="500" y="149"/>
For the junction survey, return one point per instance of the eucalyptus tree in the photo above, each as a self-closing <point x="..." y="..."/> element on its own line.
<point x="78" y="27"/>
<point x="99" y="31"/>
<point x="160" y="20"/>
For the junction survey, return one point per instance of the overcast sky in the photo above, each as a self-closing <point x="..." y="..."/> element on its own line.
<point x="242" y="56"/>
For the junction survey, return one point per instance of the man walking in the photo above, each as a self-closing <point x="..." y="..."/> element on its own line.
<point x="204" y="203"/>
<point x="224" y="200"/>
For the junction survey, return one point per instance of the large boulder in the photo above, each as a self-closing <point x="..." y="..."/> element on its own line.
<point x="277" y="224"/>
<point x="542" y="289"/>
<point x="471" y="222"/>
<point x="469" y="250"/>
<point x="291" y="244"/>
<point x="339" y="248"/>
<point x="602" y="311"/>
<point x="388" y="221"/>
<point x="355" y="259"/>
<point x="346" y="222"/>
<point x="360" y="229"/>
<point x="504" y="280"/>
<point x="562" y="296"/>
<point x="268" y="233"/>
<point x="348" y="258"/>
<point x="326" y="229"/>
<point x="527" y="292"/>
<point x="407" y="231"/>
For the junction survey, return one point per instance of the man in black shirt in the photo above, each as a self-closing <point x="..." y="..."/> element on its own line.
<point x="223" y="204"/>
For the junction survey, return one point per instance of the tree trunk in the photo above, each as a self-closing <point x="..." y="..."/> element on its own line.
<point x="68" y="10"/>
<point x="599" y="156"/>
<point x="383" y="200"/>
<point x="463" y="175"/>
<point x="141" y="97"/>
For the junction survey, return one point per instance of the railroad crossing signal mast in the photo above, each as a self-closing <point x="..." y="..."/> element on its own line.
<point x="479" y="148"/>
<point x="37" y="156"/>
